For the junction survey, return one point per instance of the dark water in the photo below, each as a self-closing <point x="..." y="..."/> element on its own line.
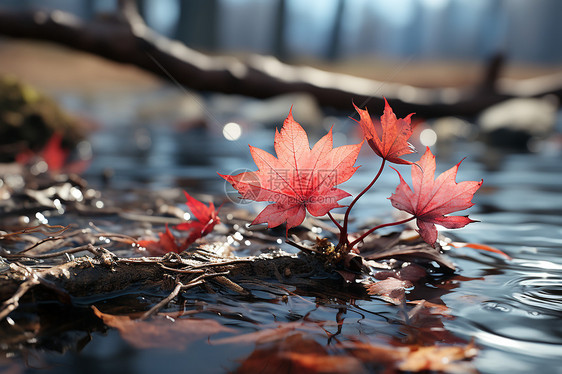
<point x="512" y="308"/>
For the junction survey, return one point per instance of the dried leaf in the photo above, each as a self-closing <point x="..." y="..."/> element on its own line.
<point x="269" y="334"/>
<point x="413" y="358"/>
<point x="162" y="331"/>
<point x="408" y="252"/>
<point x="296" y="353"/>
<point x="442" y="359"/>
<point x="390" y="289"/>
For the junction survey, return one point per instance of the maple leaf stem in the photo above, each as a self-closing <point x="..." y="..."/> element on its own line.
<point x="343" y="230"/>
<point x="367" y="233"/>
<point x="334" y="221"/>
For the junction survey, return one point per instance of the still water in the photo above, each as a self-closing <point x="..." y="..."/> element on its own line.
<point x="511" y="308"/>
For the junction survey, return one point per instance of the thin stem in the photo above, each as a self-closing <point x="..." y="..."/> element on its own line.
<point x="364" y="235"/>
<point x="334" y="221"/>
<point x="343" y="230"/>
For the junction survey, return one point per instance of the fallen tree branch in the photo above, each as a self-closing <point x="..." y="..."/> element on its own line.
<point x="86" y="277"/>
<point x="125" y="38"/>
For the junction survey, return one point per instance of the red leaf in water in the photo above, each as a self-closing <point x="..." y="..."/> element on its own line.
<point x="391" y="142"/>
<point x="161" y="331"/>
<point x="431" y="199"/>
<point x="299" y="179"/>
<point x="166" y="243"/>
<point x="207" y="218"/>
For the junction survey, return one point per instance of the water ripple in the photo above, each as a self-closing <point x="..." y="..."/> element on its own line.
<point x="543" y="293"/>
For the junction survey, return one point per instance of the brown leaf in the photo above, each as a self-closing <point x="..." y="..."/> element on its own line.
<point x="409" y="252"/>
<point x="412" y="358"/>
<point x="432" y="308"/>
<point x="404" y="247"/>
<point x="298" y="354"/>
<point x="390" y="289"/>
<point x="162" y="331"/>
<point x="409" y="272"/>
<point x="436" y="358"/>
<point x="269" y="334"/>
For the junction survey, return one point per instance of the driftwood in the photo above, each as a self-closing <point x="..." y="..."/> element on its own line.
<point x="103" y="275"/>
<point x="126" y="38"/>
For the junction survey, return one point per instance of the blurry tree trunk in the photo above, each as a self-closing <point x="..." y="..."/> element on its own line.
<point x="197" y="24"/>
<point x="280" y="49"/>
<point x="334" y="41"/>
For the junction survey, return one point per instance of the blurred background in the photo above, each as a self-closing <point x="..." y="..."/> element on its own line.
<point x="424" y="30"/>
<point x="170" y="71"/>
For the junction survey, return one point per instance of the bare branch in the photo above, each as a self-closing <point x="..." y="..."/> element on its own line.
<point x="127" y="39"/>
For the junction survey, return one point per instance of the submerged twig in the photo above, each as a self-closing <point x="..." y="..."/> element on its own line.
<point x="13" y="302"/>
<point x="175" y="292"/>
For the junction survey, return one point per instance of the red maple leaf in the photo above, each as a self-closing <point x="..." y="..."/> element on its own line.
<point x="391" y="140"/>
<point x="166" y="243"/>
<point x="52" y="153"/>
<point x="299" y="178"/>
<point x="55" y="156"/>
<point x="207" y="218"/>
<point x="431" y="199"/>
